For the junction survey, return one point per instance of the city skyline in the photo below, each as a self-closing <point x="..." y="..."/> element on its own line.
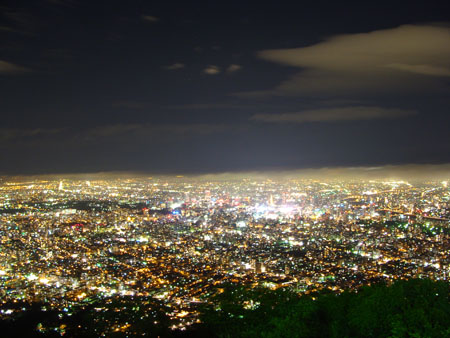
<point x="199" y="88"/>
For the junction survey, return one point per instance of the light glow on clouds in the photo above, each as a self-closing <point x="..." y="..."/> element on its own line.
<point x="211" y="70"/>
<point x="408" y="57"/>
<point x="10" y="68"/>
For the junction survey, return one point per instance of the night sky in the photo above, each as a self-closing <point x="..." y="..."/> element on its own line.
<point x="199" y="87"/>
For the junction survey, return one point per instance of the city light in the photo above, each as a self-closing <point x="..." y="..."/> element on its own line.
<point x="117" y="237"/>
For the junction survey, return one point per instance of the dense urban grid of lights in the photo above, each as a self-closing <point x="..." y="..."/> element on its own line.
<point x="177" y="239"/>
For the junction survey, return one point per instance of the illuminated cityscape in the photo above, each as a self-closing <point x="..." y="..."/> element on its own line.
<point x="175" y="239"/>
<point x="224" y="169"/>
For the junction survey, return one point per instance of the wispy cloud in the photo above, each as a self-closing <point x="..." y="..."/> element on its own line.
<point x="150" y="18"/>
<point x="211" y="70"/>
<point x="408" y="58"/>
<point x="12" y="134"/>
<point x="8" y="29"/>
<point x="421" y="69"/>
<point x="133" y="104"/>
<point x="10" y="68"/>
<point x="19" y="21"/>
<point x="202" y="106"/>
<point x="233" y="68"/>
<point x="58" y="54"/>
<point x="175" y="66"/>
<point x="334" y="115"/>
<point x="151" y="131"/>
<point x="135" y="132"/>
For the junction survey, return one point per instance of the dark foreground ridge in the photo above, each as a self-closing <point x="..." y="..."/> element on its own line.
<point x="414" y="308"/>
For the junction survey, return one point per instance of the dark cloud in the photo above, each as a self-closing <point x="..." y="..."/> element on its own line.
<point x="175" y="66"/>
<point x="148" y="131"/>
<point x="334" y="115"/>
<point x="17" y="134"/>
<point x="10" y="68"/>
<point x="233" y="68"/>
<point x="133" y="104"/>
<point x="8" y="29"/>
<point x="20" y="20"/>
<point x="150" y="18"/>
<point x="99" y="92"/>
<point x="206" y="106"/>
<point x="134" y="131"/>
